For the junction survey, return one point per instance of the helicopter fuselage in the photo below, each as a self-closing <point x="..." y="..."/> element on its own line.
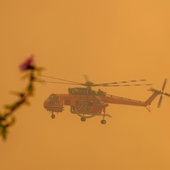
<point x="87" y="103"/>
<point x="80" y="100"/>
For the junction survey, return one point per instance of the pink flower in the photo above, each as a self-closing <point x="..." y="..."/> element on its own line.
<point x="27" y="64"/>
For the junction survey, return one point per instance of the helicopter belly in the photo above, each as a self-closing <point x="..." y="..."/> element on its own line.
<point x="83" y="107"/>
<point x="54" y="108"/>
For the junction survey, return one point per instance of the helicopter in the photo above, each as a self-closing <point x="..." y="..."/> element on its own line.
<point x="87" y="103"/>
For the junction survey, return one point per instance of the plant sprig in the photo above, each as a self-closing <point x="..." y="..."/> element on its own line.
<point x="7" y="118"/>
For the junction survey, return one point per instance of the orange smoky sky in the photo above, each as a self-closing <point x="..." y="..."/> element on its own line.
<point x="107" y="40"/>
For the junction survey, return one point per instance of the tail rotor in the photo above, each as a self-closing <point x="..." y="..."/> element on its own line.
<point x="160" y="101"/>
<point x="162" y="93"/>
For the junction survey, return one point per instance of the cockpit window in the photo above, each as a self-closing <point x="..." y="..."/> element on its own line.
<point x="53" y="98"/>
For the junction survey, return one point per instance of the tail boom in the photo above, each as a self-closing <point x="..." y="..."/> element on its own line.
<point x="152" y="97"/>
<point x="127" y="101"/>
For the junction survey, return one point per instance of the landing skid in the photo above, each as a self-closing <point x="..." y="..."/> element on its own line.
<point x="103" y="121"/>
<point x="52" y="116"/>
<point x="84" y="117"/>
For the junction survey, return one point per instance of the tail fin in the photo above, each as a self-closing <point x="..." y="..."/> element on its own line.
<point x="153" y="96"/>
<point x="156" y="93"/>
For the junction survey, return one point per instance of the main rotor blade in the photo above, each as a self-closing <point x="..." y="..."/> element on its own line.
<point x="127" y="85"/>
<point x="119" y="82"/>
<point x="163" y="87"/>
<point x="60" y="79"/>
<point x="44" y="81"/>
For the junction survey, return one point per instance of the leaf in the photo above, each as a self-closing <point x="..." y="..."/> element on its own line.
<point x="26" y="75"/>
<point x="39" y="69"/>
<point x="8" y="106"/>
<point x="27" y="103"/>
<point x="3" y="132"/>
<point x="30" y="87"/>
<point x="15" y="105"/>
<point x="13" y="120"/>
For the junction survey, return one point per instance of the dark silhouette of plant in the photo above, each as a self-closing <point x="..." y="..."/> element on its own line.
<point x="7" y="118"/>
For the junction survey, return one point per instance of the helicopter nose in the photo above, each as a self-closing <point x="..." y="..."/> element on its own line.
<point x="53" y="108"/>
<point x="53" y="104"/>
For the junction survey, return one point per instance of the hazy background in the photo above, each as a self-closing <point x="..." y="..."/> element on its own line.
<point x="109" y="40"/>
